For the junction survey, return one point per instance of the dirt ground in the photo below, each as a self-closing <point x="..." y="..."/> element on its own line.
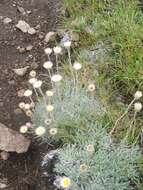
<point x="21" y="172"/>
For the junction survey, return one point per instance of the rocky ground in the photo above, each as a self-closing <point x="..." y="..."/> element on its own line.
<point x="23" y="27"/>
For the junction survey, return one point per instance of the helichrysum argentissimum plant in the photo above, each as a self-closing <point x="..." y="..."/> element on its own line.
<point x="71" y="110"/>
<point x="96" y="163"/>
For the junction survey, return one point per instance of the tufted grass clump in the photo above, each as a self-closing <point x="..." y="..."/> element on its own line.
<point x="96" y="163"/>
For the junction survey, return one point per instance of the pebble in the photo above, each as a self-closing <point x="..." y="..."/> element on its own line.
<point x="3" y="186"/>
<point x="23" y="26"/>
<point x="21" y="49"/>
<point x="50" y="36"/>
<point x="31" y="31"/>
<point x="20" y="93"/>
<point x="21" y="10"/>
<point x="21" y="71"/>
<point x="29" y="47"/>
<point x="7" y="20"/>
<point x="4" y="155"/>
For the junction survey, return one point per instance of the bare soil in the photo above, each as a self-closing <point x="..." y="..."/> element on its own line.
<point x="22" y="172"/>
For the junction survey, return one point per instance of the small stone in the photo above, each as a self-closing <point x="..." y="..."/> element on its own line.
<point x="12" y="141"/>
<point x="31" y="31"/>
<point x="29" y="47"/>
<point x="21" y="50"/>
<point x="20" y="93"/>
<point x="2" y="185"/>
<point x="50" y="37"/>
<point x="23" y="26"/>
<point x="21" y="71"/>
<point x="4" y="155"/>
<point x="41" y="36"/>
<point x="37" y="27"/>
<point x="29" y="12"/>
<point x="21" y="10"/>
<point x="7" y="20"/>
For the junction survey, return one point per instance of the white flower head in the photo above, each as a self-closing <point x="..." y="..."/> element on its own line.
<point x="137" y="106"/>
<point x="65" y="182"/>
<point x="27" y="93"/>
<point x="40" y="131"/>
<point x="37" y="84"/>
<point x="77" y="66"/>
<point x="32" y="73"/>
<point x="91" y="87"/>
<point x="47" y="121"/>
<point x="23" y="129"/>
<point x="21" y="105"/>
<point x="49" y="93"/>
<point x="32" y="80"/>
<point x="29" y="113"/>
<point x="57" y="50"/>
<point x="53" y="131"/>
<point x="27" y="106"/>
<point x="48" y="65"/>
<point x="56" y="78"/>
<point x="48" y="51"/>
<point x="138" y="95"/>
<point x="50" y="108"/>
<point x="67" y="44"/>
<point x="83" y="168"/>
<point x="90" y="148"/>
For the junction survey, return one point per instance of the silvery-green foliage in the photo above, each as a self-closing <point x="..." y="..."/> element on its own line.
<point x="72" y="108"/>
<point x="111" y="166"/>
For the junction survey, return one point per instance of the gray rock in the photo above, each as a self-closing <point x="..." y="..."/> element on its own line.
<point x="50" y="36"/>
<point x="12" y="141"/>
<point x="4" y="155"/>
<point x="7" y="20"/>
<point x="23" y="26"/>
<point x="21" y="71"/>
<point x="31" y="31"/>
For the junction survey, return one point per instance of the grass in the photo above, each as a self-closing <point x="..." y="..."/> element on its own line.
<point x="119" y="26"/>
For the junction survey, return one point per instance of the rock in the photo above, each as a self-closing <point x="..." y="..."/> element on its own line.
<point x="7" y="20"/>
<point x="31" y="31"/>
<point x="21" y="49"/>
<point x="21" y="10"/>
<point x="20" y="93"/>
<point x="4" y="155"/>
<point x="23" y="26"/>
<point x="50" y="37"/>
<point x="21" y="71"/>
<point x="12" y="141"/>
<point x="29" y="47"/>
<point x="2" y="185"/>
<point x="41" y="36"/>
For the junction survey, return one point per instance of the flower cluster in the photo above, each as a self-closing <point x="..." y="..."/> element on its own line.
<point x="69" y="111"/>
<point x="62" y="109"/>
